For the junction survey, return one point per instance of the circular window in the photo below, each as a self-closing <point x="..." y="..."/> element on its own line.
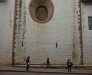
<point x="41" y="13"/>
<point x="41" y="10"/>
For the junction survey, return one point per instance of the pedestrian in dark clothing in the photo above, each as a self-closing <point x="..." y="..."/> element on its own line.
<point x="69" y="65"/>
<point x="27" y="63"/>
<point x="47" y="63"/>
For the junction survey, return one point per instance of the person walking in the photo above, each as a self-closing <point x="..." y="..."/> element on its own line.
<point x="69" y="65"/>
<point x="47" y="63"/>
<point x="27" y="63"/>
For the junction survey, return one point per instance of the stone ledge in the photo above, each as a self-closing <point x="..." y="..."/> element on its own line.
<point x="87" y="67"/>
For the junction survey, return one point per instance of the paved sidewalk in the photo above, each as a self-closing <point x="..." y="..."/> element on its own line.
<point x="41" y="71"/>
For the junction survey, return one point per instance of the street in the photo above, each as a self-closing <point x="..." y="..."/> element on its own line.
<point x="41" y="71"/>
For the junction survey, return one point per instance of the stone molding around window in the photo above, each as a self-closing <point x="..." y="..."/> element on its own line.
<point x="34" y="4"/>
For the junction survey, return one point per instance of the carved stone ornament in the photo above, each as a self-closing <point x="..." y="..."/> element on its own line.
<point x="41" y="10"/>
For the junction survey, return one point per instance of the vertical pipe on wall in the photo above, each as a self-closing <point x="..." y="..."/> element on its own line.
<point x="14" y="28"/>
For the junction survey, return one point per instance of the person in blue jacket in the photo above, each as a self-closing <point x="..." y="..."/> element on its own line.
<point x="69" y="65"/>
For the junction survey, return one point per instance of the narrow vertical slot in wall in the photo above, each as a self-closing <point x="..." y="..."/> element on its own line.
<point x="56" y="44"/>
<point x="22" y="43"/>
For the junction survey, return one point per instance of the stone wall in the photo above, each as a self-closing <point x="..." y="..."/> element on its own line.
<point x="57" y="39"/>
<point x="87" y="34"/>
<point x="6" y="31"/>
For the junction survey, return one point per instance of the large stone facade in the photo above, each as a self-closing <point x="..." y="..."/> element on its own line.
<point x="58" y="38"/>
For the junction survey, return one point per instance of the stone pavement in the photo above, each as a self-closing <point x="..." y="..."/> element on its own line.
<point x="41" y="71"/>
